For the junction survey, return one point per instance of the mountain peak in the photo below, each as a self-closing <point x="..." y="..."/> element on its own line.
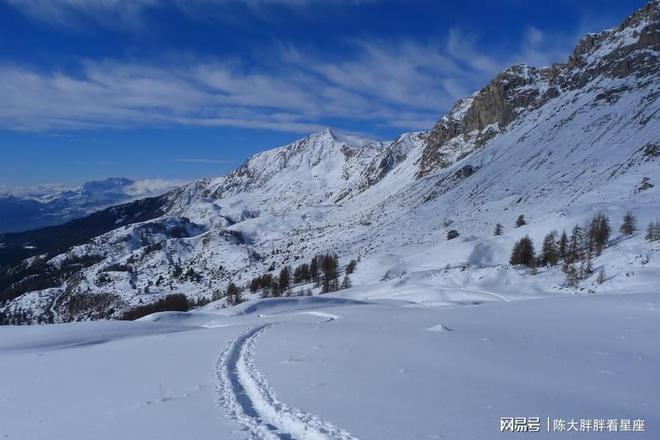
<point x="333" y="135"/>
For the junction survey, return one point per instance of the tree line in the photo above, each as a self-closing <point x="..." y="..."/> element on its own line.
<point x="575" y="251"/>
<point x="322" y="270"/>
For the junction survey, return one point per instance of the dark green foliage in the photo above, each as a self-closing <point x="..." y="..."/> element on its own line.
<point x="629" y="225"/>
<point x="234" y="294"/>
<point x="549" y="252"/>
<point x="572" y="276"/>
<point x="451" y="234"/>
<point x="520" y="221"/>
<point x="653" y="231"/>
<point x="301" y="273"/>
<point x="499" y="229"/>
<point x="350" y="268"/>
<point x="599" y="233"/>
<point x="576" y="245"/>
<point x="176" y="302"/>
<point x="314" y="269"/>
<point x="40" y="274"/>
<point x="329" y="265"/>
<point x="285" y="279"/>
<point x="523" y="253"/>
<point x="562" y="246"/>
<point x="346" y="282"/>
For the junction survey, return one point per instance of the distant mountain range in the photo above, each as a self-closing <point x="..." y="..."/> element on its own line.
<point x="23" y="209"/>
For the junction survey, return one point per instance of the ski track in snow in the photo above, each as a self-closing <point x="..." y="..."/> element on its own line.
<point x="246" y="396"/>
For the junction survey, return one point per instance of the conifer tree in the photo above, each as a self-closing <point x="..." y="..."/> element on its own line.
<point x="314" y="271"/>
<point x="499" y="229"/>
<point x="653" y="231"/>
<point x="562" y="246"/>
<point x="572" y="278"/>
<point x="549" y="252"/>
<point x="234" y="294"/>
<point x="629" y="225"/>
<point x="520" y="221"/>
<point x="285" y="279"/>
<point x="599" y="233"/>
<point x="329" y="265"/>
<point x="575" y="245"/>
<point x="350" y="268"/>
<point x="523" y="253"/>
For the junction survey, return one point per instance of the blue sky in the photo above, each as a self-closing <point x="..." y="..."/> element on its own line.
<point x="180" y="89"/>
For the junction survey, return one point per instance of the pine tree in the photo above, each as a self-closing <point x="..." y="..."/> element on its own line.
<point x="586" y="268"/>
<point x="523" y="252"/>
<point x="520" y="221"/>
<point x="329" y="265"/>
<point x="275" y="290"/>
<point x="453" y="233"/>
<point x="601" y="276"/>
<point x="234" y="294"/>
<point x="572" y="278"/>
<point x="499" y="229"/>
<point x="346" y="282"/>
<point x="629" y="225"/>
<point x="562" y="246"/>
<point x="599" y="233"/>
<point x="549" y="252"/>
<point x="653" y="231"/>
<point x="314" y="271"/>
<point x="575" y="245"/>
<point x="350" y="268"/>
<point x="285" y="279"/>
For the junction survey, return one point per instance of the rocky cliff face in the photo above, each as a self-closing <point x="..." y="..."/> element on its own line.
<point x="630" y="48"/>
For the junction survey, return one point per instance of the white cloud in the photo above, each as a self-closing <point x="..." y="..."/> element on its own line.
<point x="68" y="13"/>
<point x="403" y="84"/>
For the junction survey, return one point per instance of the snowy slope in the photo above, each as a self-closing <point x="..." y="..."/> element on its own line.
<point x="333" y="368"/>
<point x="556" y="144"/>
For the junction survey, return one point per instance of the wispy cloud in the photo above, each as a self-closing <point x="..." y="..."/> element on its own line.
<point x="204" y="161"/>
<point x="129" y="13"/>
<point x="404" y="84"/>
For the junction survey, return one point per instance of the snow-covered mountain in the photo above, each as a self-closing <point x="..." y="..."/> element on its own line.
<point x="26" y="208"/>
<point x="556" y="144"/>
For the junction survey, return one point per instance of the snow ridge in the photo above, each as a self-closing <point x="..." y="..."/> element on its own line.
<point x="246" y="397"/>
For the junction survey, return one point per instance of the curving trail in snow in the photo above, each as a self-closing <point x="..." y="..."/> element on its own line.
<point x="246" y="396"/>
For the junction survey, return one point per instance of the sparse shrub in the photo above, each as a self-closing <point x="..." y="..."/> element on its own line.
<point x="499" y="229"/>
<point x="520" y="221"/>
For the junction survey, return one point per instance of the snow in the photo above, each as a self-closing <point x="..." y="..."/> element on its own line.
<point x="437" y="338"/>
<point x="333" y="368"/>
